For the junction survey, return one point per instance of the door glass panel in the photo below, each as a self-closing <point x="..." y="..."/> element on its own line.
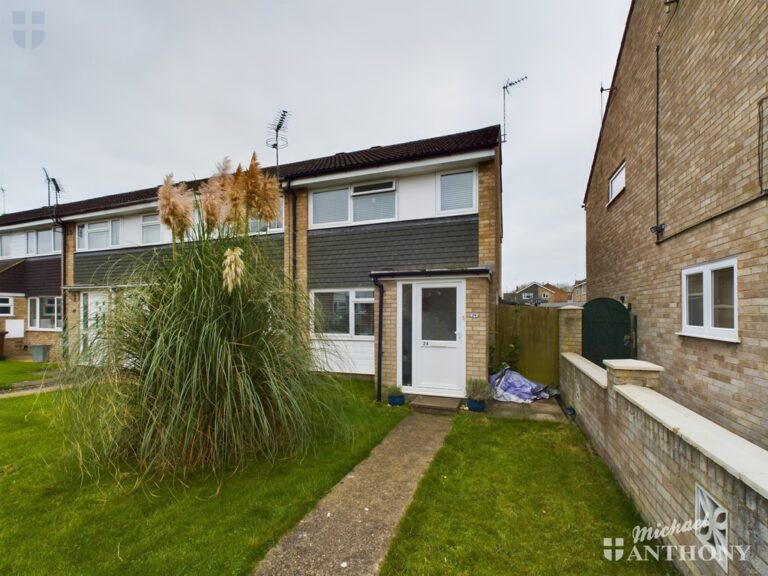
<point x="695" y="292"/>
<point x="363" y="318"/>
<point x="722" y="298"/>
<point x="406" y="353"/>
<point x="438" y="314"/>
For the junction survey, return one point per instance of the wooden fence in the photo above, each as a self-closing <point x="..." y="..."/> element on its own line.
<point x="534" y="331"/>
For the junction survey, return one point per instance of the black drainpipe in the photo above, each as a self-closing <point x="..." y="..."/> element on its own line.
<point x="293" y="230"/>
<point x="57" y="221"/>
<point x="380" y="337"/>
<point x="658" y="228"/>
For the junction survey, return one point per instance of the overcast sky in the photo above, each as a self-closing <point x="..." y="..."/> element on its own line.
<point x="120" y="93"/>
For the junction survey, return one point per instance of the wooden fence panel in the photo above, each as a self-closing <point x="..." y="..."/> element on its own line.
<point x="534" y="330"/>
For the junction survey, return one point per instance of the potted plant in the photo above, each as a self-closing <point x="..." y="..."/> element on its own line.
<point x="395" y="396"/>
<point x="478" y="391"/>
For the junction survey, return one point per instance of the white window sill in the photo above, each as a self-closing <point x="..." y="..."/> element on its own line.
<point x="43" y="329"/>
<point x="718" y="337"/>
<point x="614" y="198"/>
<point x="345" y="337"/>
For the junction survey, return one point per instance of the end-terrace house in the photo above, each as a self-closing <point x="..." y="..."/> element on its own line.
<point x="409" y="234"/>
<point x="677" y="203"/>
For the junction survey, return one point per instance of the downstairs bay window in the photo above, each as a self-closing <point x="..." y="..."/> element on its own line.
<point x="710" y="301"/>
<point x="343" y="313"/>
<point x="44" y="313"/>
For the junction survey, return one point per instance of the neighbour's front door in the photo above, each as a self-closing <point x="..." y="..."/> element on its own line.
<point x="438" y="338"/>
<point x="93" y="306"/>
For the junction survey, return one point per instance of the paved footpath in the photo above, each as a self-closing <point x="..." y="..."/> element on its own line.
<point x="350" y="529"/>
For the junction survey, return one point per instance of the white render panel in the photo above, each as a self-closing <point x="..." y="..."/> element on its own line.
<point x="344" y="356"/>
<point x="417" y="197"/>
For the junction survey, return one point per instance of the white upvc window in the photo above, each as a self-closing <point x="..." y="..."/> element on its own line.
<point x="256" y="226"/>
<point x="6" y="246"/>
<point x="150" y="229"/>
<point x="527" y="295"/>
<point x="343" y="313"/>
<point x="98" y="235"/>
<point x="360" y="203"/>
<point x="457" y="192"/>
<point x="617" y="183"/>
<point x="6" y="305"/>
<point x="710" y="301"/>
<point x="44" y="313"/>
<point x="45" y="241"/>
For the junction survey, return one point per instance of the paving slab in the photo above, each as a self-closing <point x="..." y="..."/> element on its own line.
<point x="351" y="528"/>
<point x="435" y="405"/>
<point x="542" y="410"/>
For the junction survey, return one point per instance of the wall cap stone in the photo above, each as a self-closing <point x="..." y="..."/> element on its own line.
<point x="740" y="457"/>
<point x="598" y="375"/>
<point x="571" y="307"/>
<point x="629" y="364"/>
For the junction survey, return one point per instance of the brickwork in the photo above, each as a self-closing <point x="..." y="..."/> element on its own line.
<point x="659" y="469"/>
<point x="708" y="163"/>
<point x="569" y="329"/>
<point x="389" y="356"/>
<point x="478" y="331"/>
<point x="19" y="348"/>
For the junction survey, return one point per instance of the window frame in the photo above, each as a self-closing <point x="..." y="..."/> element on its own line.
<point x="271" y="229"/>
<point x="35" y="233"/>
<point x="438" y="187"/>
<point x="708" y="330"/>
<point x="621" y="167"/>
<point x="350" y="221"/>
<point x="143" y="225"/>
<point x="10" y="304"/>
<point x="83" y="244"/>
<point x="353" y="299"/>
<point x="58" y="318"/>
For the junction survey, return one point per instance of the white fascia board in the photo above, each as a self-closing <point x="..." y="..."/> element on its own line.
<point x="47" y="222"/>
<point x="133" y="209"/>
<point x="441" y="162"/>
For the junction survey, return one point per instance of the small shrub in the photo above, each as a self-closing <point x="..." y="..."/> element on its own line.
<point x="394" y="391"/>
<point x="478" y="389"/>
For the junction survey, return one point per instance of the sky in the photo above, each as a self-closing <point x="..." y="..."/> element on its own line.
<point x="119" y="93"/>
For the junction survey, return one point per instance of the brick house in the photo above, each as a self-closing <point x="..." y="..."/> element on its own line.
<point x="417" y="224"/>
<point x="579" y="292"/>
<point x="535" y="294"/>
<point x="677" y="208"/>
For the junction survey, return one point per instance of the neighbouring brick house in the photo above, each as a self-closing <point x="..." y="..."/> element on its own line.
<point x="418" y="223"/>
<point x="689" y="249"/>
<point x="536" y="294"/>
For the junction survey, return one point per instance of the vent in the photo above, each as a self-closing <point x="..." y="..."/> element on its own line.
<point x="712" y="522"/>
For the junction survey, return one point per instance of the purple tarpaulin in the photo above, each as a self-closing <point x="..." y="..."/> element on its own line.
<point x="509" y="386"/>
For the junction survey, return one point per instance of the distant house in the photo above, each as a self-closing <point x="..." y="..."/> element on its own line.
<point x="579" y="292"/>
<point x="536" y="294"/>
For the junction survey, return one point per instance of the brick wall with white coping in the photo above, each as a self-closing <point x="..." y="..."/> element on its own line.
<point x="660" y="451"/>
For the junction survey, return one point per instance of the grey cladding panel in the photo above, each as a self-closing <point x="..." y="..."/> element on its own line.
<point x="340" y="257"/>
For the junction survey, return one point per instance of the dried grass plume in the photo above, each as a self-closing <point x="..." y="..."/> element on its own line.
<point x="175" y="207"/>
<point x="233" y="268"/>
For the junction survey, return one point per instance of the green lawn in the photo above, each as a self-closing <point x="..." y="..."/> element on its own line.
<point x="49" y="524"/>
<point x="13" y="371"/>
<point x="514" y="497"/>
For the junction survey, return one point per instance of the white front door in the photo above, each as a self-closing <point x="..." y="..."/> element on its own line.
<point x="93" y="306"/>
<point x="437" y="333"/>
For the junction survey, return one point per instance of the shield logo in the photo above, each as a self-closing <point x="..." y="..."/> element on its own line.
<point x="28" y="28"/>
<point x="613" y="549"/>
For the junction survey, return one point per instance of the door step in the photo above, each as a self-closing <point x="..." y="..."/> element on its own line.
<point x="435" y="405"/>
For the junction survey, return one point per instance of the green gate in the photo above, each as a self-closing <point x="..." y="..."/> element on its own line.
<point x="605" y="331"/>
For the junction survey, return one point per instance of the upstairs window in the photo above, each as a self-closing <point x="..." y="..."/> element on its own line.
<point x="330" y="206"/>
<point x="710" y="301"/>
<point x="373" y="201"/>
<point x="98" y="235"/>
<point x="6" y="245"/>
<point x="256" y="226"/>
<point x="150" y="229"/>
<point x="617" y="183"/>
<point x="45" y="241"/>
<point x="457" y="191"/>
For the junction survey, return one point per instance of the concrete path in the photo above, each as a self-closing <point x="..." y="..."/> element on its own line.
<point x="350" y="529"/>
<point x="544" y="410"/>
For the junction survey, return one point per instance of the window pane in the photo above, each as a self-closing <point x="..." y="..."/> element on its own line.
<point x="377" y="186"/>
<point x="617" y="183"/>
<point x="44" y="241"/>
<point x="57" y="240"/>
<point x="47" y="313"/>
<point x="150" y="234"/>
<point x="255" y="226"/>
<point x="6" y="307"/>
<point x="31" y="243"/>
<point x="330" y="206"/>
<point x="332" y="312"/>
<point x="150" y="218"/>
<point x="438" y="314"/>
<point x="98" y="239"/>
<point x="373" y="206"/>
<point x="695" y="291"/>
<point x="32" y="312"/>
<point x="115" y="232"/>
<point x="59" y="314"/>
<point x="456" y="191"/>
<point x="407" y="323"/>
<point x="364" y="294"/>
<point x="364" y="319"/>
<point x="723" y="298"/>
<point x="278" y="223"/>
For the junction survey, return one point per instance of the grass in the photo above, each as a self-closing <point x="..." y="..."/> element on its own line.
<point x="50" y="524"/>
<point x="12" y="371"/>
<point x="514" y="497"/>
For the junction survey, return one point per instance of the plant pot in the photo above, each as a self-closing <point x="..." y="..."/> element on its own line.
<point x="396" y="400"/>
<point x="475" y="405"/>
